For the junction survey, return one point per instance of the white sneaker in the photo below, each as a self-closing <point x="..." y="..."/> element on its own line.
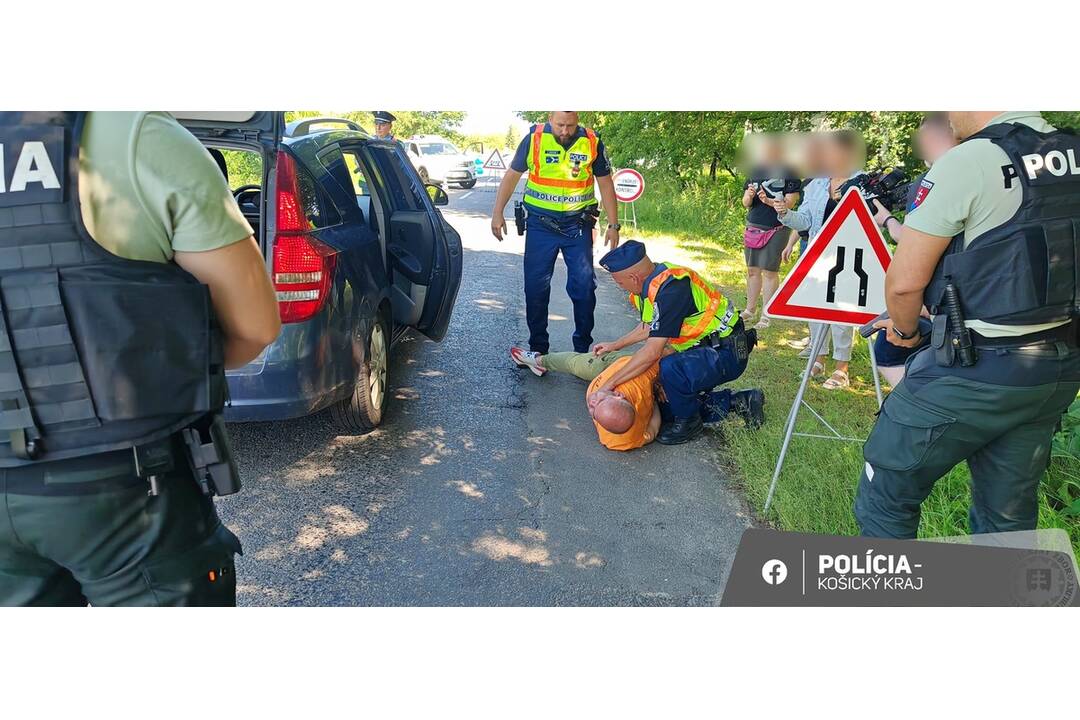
<point x="529" y="359"/>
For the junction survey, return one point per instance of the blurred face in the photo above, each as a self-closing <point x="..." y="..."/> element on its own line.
<point x="564" y="125"/>
<point x="383" y="129"/>
<point x="932" y="141"/>
<point x="838" y="158"/>
<point x="772" y="152"/>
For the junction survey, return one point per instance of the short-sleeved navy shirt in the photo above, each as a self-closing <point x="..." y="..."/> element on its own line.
<point x="674" y="303"/>
<point x="763" y="215"/>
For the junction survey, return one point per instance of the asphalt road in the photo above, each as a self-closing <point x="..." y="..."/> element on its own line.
<point x="485" y="485"/>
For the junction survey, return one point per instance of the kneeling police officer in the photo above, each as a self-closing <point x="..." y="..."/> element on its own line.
<point x="129" y="282"/>
<point x="694" y="332"/>
<point x="991" y="248"/>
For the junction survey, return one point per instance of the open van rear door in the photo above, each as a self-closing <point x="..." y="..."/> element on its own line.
<point x="248" y="126"/>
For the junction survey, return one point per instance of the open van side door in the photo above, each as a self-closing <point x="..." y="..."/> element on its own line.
<point x="423" y="251"/>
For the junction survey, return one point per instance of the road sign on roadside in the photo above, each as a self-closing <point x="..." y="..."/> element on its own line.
<point x="629" y="185"/>
<point x="495" y="161"/>
<point x="841" y="277"/>
<point x="840" y="280"/>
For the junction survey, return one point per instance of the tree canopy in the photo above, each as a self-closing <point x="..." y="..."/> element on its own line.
<point x="685" y="144"/>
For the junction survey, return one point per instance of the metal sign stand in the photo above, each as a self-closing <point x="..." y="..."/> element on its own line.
<point x="629" y="215"/>
<point x="793" y="414"/>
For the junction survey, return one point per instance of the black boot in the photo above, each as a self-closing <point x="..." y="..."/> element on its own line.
<point x="750" y="406"/>
<point x="680" y="431"/>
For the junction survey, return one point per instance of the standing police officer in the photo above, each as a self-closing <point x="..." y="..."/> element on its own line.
<point x="991" y="249"/>
<point x="562" y="159"/>
<point x="129" y="281"/>
<point x="384" y="125"/>
<point x="693" y="331"/>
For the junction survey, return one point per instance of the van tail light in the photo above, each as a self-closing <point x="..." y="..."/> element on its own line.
<point x="303" y="268"/>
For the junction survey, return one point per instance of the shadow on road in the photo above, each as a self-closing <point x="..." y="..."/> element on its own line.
<point x="484" y="485"/>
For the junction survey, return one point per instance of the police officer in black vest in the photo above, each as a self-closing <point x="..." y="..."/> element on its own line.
<point x="992" y="247"/>
<point x="129" y="282"/>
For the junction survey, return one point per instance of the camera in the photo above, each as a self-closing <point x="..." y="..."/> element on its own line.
<point x="773" y="187"/>
<point x="890" y="188"/>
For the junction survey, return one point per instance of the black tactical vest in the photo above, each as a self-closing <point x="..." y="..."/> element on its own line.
<point x="97" y="353"/>
<point x="1024" y="272"/>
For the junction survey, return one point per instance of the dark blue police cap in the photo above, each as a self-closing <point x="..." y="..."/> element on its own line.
<point x="381" y="116"/>
<point x="626" y="255"/>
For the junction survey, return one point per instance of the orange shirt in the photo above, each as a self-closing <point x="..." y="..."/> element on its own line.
<point x="639" y="391"/>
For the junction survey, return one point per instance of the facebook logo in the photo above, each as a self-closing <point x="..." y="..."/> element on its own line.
<point x="774" y="572"/>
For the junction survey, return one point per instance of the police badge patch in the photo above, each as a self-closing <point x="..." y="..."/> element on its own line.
<point x="577" y="159"/>
<point x="551" y="157"/>
<point x="924" y="189"/>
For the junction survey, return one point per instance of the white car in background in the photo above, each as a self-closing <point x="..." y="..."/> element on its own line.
<point x="438" y="160"/>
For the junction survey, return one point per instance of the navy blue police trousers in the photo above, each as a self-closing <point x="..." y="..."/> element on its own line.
<point x="542" y="247"/>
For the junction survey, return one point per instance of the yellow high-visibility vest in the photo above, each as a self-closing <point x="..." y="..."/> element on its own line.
<point x="715" y="313"/>
<point x="561" y="179"/>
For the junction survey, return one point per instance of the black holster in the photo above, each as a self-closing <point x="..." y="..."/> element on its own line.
<point x="944" y="350"/>
<point x="589" y="217"/>
<point x="519" y="217"/>
<point x="740" y="342"/>
<point x="211" y="457"/>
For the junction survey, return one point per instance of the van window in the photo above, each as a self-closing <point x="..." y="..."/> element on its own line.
<point x="318" y="206"/>
<point x="401" y="188"/>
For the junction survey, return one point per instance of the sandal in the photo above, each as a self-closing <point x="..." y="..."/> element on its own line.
<point x="762" y="324"/>
<point x="839" y="379"/>
<point x="817" y="370"/>
<point x="747" y="314"/>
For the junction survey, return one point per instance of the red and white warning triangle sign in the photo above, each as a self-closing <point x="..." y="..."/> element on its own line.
<point x="495" y="161"/>
<point x="841" y="277"/>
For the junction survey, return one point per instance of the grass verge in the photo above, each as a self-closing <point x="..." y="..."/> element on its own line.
<point x="816" y="489"/>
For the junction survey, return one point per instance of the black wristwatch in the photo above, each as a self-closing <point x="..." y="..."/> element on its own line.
<point x="614" y="226"/>
<point x="903" y="335"/>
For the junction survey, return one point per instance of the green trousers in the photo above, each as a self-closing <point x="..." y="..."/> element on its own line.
<point x="85" y="531"/>
<point x="583" y="365"/>
<point x="999" y="415"/>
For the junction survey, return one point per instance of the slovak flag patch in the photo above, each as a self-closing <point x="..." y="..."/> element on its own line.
<point x="925" y="186"/>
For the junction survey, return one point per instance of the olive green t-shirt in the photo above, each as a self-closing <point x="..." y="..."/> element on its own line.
<point x="965" y="192"/>
<point x="148" y="187"/>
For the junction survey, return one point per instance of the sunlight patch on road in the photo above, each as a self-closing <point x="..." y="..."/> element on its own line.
<point x="534" y="534"/>
<point x="587" y="560"/>
<point x="467" y="489"/>
<point x="344" y="522"/>
<point x="499" y="548"/>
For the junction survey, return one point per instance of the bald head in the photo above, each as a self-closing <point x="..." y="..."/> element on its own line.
<point x="615" y="414"/>
<point x="632" y="277"/>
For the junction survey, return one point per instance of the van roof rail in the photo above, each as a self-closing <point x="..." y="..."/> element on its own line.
<point x="304" y="126"/>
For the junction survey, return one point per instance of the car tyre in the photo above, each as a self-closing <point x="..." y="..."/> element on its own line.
<point x="469" y="185"/>
<point x="363" y="410"/>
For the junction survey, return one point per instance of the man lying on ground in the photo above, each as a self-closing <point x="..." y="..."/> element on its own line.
<point x="628" y="416"/>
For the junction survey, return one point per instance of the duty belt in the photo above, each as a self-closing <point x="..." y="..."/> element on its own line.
<point x="715" y="340"/>
<point x="1066" y="333"/>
